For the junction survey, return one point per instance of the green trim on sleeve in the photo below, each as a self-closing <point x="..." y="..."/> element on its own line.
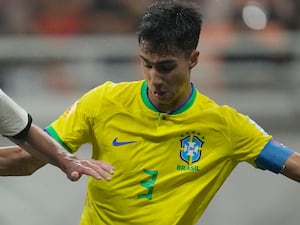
<point x="50" y="130"/>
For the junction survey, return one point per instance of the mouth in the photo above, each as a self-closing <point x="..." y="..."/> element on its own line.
<point x="159" y="94"/>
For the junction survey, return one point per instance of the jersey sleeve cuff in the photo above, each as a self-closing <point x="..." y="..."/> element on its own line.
<point x="24" y="132"/>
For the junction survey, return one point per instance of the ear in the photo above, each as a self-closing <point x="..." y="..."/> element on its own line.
<point x="194" y="58"/>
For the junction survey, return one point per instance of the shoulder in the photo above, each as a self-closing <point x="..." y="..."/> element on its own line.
<point x="209" y="104"/>
<point x="109" y="94"/>
<point x="110" y="88"/>
<point x="221" y="113"/>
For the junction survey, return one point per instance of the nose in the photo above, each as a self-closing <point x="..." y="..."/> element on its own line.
<point x="155" y="77"/>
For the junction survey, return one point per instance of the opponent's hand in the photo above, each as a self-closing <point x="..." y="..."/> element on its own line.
<point x="75" y="168"/>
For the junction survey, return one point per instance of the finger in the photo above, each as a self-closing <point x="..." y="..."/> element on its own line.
<point x="105" y="166"/>
<point x="95" y="171"/>
<point x="74" y="176"/>
<point x="104" y="169"/>
<point x="89" y="172"/>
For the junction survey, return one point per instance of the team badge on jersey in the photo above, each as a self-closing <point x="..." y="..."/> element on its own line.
<point x="190" y="150"/>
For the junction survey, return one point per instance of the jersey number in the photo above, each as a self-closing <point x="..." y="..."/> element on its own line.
<point x="148" y="184"/>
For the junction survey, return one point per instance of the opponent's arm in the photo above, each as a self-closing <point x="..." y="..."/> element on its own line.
<point x="14" y="161"/>
<point x="41" y="146"/>
<point x="16" y="124"/>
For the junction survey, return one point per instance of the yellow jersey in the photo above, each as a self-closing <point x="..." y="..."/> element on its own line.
<point x="168" y="167"/>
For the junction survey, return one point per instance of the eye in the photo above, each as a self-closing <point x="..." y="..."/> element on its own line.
<point x="165" y="67"/>
<point x="147" y="65"/>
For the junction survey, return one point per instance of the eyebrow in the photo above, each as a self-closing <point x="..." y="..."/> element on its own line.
<point x="160" y="62"/>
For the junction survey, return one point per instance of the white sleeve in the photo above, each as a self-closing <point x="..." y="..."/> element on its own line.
<point x="13" y="118"/>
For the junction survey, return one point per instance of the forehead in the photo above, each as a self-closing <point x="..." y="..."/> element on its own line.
<point x="153" y="57"/>
<point x="150" y="50"/>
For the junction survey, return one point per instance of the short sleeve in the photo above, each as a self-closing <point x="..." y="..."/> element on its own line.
<point x="14" y="120"/>
<point x="247" y="137"/>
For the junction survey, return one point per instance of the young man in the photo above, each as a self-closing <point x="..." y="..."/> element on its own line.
<point x="171" y="146"/>
<point x="16" y="124"/>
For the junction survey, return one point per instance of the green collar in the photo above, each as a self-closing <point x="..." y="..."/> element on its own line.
<point x="185" y="106"/>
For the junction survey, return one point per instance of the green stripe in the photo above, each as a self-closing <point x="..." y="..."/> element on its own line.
<point x="146" y="99"/>
<point x="55" y="136"/>
<point x="182" y="109"/>
<point x="188" y="104"/>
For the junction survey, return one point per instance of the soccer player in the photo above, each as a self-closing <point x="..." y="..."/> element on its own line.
<point x="16" y="124"/>
<point x="171" y="146"/>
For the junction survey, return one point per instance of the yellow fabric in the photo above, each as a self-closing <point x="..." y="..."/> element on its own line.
<point x="172" y="165"/>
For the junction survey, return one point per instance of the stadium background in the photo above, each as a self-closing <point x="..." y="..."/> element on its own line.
<point x="53" y="51"/>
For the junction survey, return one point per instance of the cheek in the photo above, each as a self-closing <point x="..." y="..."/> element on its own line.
<point x="180" y="78"/>
<point x="175" y="85"/>
<point x="145" y="73"/>
<point x="147" y="76"/>
<point x="179" y="82"/>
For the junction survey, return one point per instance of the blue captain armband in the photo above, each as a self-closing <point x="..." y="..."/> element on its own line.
<point x="273" y="157"/>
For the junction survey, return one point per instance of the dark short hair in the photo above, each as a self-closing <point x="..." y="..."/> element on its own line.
<point x="170" y="26"/>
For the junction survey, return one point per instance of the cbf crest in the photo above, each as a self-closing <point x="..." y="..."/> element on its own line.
<point x="190" y="150"/>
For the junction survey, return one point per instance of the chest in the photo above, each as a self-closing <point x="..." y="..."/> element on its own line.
<point x="158" y="142"/>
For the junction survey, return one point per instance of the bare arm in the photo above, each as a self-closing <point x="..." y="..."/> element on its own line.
<point x="16" y="124"/>
<point x="41" y="146"/>
<point x="292" y="167"/>
<point x="14" y="161"/>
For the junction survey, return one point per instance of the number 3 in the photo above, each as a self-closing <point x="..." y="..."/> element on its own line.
<point x="148" y="184"/>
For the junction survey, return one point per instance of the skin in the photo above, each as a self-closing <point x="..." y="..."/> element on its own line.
<point x="168" y="78"/>
<point x="292" y="167"/>
<point x="14" y="161"/>
<point x="42" y="149"/>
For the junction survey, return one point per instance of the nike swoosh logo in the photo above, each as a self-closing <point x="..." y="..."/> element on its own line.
<point x="120" y="143"/>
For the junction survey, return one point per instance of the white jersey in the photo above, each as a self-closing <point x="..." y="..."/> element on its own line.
<point x="13" y="118"/>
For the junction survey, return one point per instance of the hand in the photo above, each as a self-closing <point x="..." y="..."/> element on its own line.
<point x="42" y="147"/>
<point x="95" y="168"/>
<point x="75" y="168"/>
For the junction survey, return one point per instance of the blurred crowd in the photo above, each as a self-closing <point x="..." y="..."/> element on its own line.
<point x="267" y="19"/>
<point x="72" y="17"/>
<point x="69" y="17"/>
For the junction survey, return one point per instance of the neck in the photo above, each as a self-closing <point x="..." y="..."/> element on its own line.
<point x="175" y="104"/>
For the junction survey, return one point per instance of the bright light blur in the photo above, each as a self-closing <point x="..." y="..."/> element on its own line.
<point x="254" y="16"/>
